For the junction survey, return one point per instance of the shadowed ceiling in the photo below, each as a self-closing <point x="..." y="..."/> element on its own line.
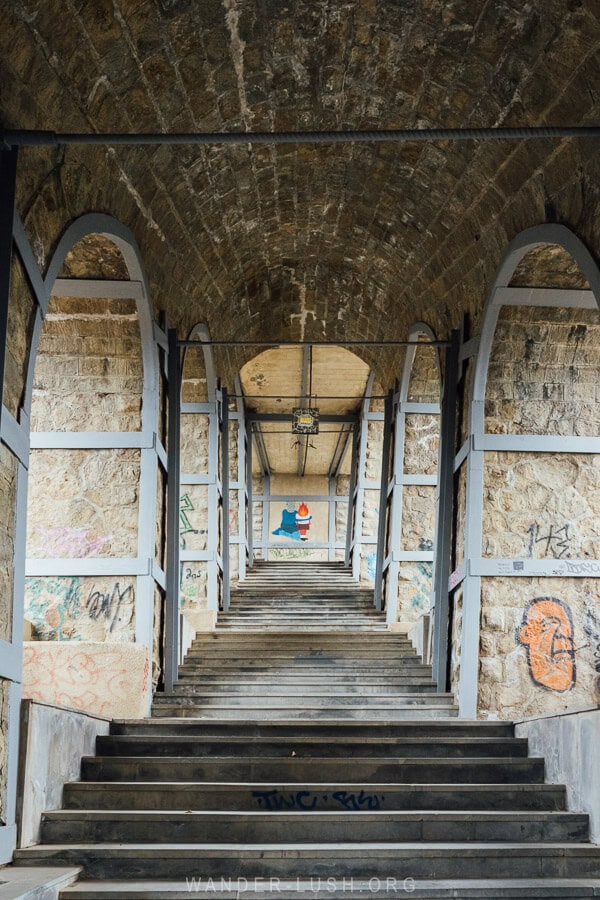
<point x="307" y="241"/>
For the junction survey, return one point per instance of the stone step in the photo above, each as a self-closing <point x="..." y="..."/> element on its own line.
<point x="228" y="651"/>
<point x="193" y="745"/>
<point x="365" y="860"/>
<point x="349" y="641"/>
<point x="313" y="796"/>
<point x="323" y="688"/>
<point x="281" y="699"/>
<point x="333" y="728"/>
<point x="302" y="681"/>
<point x="314" y="627"/>
<point x="411" y="770"/>
<point x="291" y="827"/>
<point x="322" y="887"/>
<point x="296" y="673"/>
<point x="253" y="670"/>
<point x="396" y="713"/>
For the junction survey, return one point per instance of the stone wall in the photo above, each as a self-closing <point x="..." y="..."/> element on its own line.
<point x="421" y="447"/>
<point x="88" y="371"/>
<point x="540" y="637"/>
<point x="84" y="503"/>
<point x="104" y="679"/>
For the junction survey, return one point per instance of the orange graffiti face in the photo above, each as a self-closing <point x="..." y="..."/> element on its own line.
<point x="547" y="633"/>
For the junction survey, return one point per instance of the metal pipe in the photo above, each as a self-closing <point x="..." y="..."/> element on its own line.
<point x="247" y="343"/>
<point x="31" y="138"/>
<point x="316" y="397"/>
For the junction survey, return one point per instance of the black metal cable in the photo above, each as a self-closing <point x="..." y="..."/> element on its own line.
<point x="26" y="138"/>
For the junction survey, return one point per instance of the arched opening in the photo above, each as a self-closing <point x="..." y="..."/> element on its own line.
<point x="94" y="569"/>
<point x="415" y="462"/>
<point x="301" y="481"/>
<point x="531" y="538"/>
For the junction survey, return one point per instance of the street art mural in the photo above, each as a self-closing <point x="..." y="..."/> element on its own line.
<point x="546" y="632"/>
<point x="295" y="522"/>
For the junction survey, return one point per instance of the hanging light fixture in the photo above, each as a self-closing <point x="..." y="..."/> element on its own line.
<point x="306" y="418"/>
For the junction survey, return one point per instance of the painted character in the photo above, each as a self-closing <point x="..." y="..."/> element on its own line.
<point x="303" y="521"/>
<point x="289" y="526"/>
<point x="547" y="634"/>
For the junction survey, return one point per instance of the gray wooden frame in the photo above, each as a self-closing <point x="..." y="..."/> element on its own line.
<point x="15" y="434"/>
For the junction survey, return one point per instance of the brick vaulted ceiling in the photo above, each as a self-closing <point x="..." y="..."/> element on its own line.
<point x="326" y="240"/>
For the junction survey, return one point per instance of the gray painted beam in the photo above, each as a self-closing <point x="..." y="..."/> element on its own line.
<point x="562" y="298"/>
<point x="90" y="566"/>
<point x="534" y="568"/>
<point x="11" y="659"/>
<point x="8" y="178"/>
<point x="444" y="515"/>
<point x="249" y="491"/>
<point x="15" y="435"/>
<point x="173" y="490"/>
<point x="98" y="288"/>
<point x="332" y="515"/>
<point x="310" y="498"/>
<point x="326" y="418"/>
<point x="534" y="443"/>
<point x="306" y="363"/>
<point x="91" y="440"/>
<point x="388" y="424"/>
<point x="226" y="587"/>
<point x="351" y="495"/>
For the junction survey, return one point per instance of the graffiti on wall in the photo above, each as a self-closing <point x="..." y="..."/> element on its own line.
<point x="53" y="621"/>
<point x="59" y="609"/>
<point x="65" y="541"/>
<point x="108" y="605"/>
<point x="295" y="522"/>
<point x="555" y="542"/>
<point x="193" y="584"/>
<point x="546" y="632"/>
<point x="107" y="680"/>
<point x="185" y="526"/>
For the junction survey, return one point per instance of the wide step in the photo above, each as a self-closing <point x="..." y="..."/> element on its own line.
<point x="361" y="860"/>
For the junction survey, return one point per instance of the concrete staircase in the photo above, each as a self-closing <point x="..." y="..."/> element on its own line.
<point x="300" y="749"/>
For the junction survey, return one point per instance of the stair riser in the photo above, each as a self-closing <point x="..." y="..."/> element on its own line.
<point x="299" y="770"/>
<point x="314" y="689"/>
<point x="453" y="729"/>
<point x="302" y="679"/>
<point x="357" y="714"/>
<point x="267" y="700"/>
<point x="360" y="863"/>
<point x="324" y="797"/>
<point x="214" y="829"/>
<point x="164" y="747"/>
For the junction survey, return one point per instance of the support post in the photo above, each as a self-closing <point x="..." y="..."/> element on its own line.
<point x="250" y="507"/>
<point x="331" y="520"/>
<point x="173" y="473"/>
<point x="383" y="497"/>
<point x="241" y="478"/>
<point x="225" y="496"/>
<point x="351" y="492"/>
<point x="445" y="502"/>
<point x="8" y="180"/>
